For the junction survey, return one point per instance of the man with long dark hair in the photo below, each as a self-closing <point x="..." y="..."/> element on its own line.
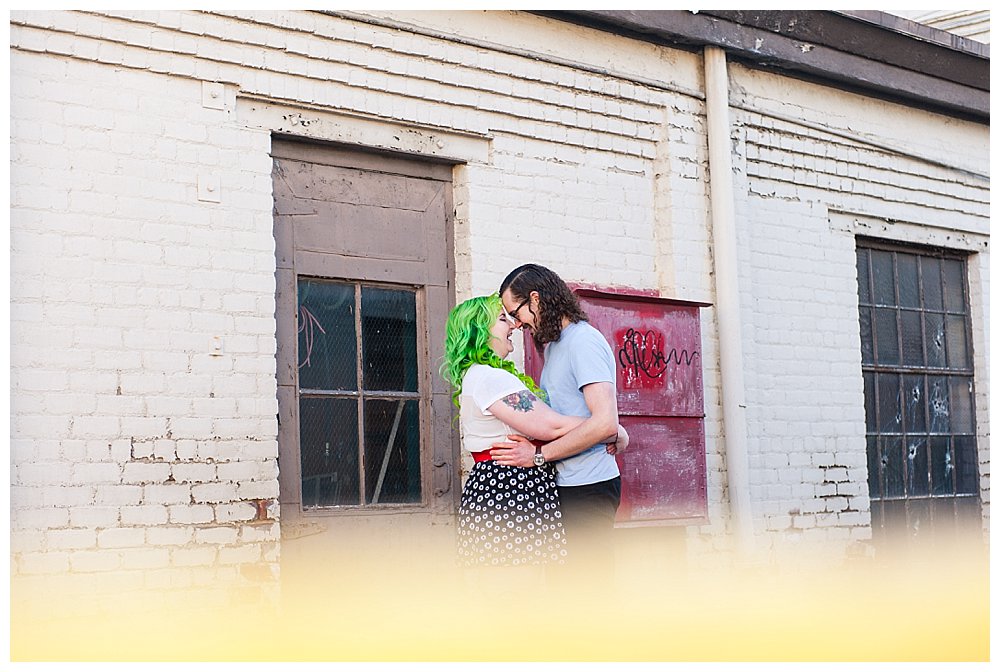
<point x="579" y="378"/>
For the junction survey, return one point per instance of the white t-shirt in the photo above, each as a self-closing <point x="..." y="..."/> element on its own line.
<point x="482" y="386"/>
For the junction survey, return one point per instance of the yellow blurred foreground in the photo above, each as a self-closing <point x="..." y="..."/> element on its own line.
<point x="418" y="607"/>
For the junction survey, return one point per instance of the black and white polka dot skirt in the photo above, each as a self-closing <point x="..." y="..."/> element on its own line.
<point x="510" y="516"/>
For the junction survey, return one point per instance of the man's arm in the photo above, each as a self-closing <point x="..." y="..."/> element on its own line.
<point x="525" y="413"/>
<point x="602" y="424"/>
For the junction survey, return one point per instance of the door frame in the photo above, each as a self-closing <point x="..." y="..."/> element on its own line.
<point x="440" y="447"/>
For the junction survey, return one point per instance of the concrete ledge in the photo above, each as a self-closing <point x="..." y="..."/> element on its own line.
<point x="320" y="124"/>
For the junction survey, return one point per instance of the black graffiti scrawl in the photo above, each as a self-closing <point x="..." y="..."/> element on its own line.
<point x="644" y="358"/>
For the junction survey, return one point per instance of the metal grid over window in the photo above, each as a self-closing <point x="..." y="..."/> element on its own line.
<point x="919" y="391"/>
<point x="359" y="397"/>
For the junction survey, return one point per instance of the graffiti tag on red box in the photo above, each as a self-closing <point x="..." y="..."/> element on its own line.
<point x="645" y="359"/>
<point x="656" y="346"/>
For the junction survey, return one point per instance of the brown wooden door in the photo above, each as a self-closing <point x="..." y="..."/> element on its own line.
<point x="364" y="285"/>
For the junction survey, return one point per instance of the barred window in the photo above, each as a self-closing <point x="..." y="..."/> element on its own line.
<point x="359" y="402"/>
<point x="919" y="391"/>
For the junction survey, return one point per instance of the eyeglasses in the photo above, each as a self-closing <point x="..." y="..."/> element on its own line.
<point x="513" y="314"/>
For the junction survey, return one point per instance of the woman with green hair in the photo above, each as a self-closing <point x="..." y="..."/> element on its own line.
<point x="508" y="515"/>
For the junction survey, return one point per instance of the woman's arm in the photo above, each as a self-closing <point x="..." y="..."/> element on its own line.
<point x="529" y="415"/>
<point x="620" y="443"/>
<point x="596" y="429"/>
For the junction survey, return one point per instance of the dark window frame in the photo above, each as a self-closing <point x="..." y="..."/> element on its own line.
<point x="912" y="499"/>
<point x="362" y="394"/>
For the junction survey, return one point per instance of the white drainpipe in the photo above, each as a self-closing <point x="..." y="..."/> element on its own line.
<point x="727" y="296"/>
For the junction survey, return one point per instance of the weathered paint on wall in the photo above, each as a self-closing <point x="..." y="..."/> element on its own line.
<point x="142" y="266"/>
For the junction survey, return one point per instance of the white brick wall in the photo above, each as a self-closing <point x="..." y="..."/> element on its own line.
<point x="804" y="384"/>
<point x="127" y="433"/>
<point x="123" y="278"/>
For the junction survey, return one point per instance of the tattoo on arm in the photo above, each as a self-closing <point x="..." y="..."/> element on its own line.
<point x="521" y="401"/>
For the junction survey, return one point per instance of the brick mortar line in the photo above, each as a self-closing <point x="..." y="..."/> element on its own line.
<point x="867" y="142"/>
<point x="886" y="166"/>
<point x="450" y="64"/>
<point x="836" y="144"/>
<point x="452" y="40"/>
<point x="306" y="58"/>
<point x="799" y="186"/>
<point x="512" y="51"/>
<point x="844" y="178"/>
<point x="871" y="173"/>
<point x="364" y="112"/>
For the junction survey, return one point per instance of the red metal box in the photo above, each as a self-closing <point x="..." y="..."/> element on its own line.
<point x="656" y="343"/>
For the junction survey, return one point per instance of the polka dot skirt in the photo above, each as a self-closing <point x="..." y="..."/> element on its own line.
<point x="510" y="516"/>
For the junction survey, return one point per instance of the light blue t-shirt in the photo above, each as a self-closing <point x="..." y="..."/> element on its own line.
<point x="581" y="356"/>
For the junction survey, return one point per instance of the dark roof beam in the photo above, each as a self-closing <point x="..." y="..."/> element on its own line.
<point x="866" y="53"/>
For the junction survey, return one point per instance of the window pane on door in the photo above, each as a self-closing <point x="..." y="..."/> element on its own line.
<point x="392" y="451"/>
<point x="328" y="439"/>
<point x="337" y="469"/>
<point x="389" y="334"/>
<point x="327" y="343"/>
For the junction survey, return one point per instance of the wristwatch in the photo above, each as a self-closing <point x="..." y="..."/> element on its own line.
<point x="539" y="458"/>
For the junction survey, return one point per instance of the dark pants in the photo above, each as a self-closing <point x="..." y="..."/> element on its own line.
<point x="588" y="516"/>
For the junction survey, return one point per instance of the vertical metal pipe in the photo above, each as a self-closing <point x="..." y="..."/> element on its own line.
<point x="727" y="295"/>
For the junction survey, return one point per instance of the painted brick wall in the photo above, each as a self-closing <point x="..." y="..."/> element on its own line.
<point x="137" y="447"/>
<point x="161" y="434"/>
<point x="131" y="433"/>
<point x="807" y="162"/>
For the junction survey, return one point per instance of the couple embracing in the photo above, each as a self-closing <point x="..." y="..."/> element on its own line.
<point x="545" y="484"/>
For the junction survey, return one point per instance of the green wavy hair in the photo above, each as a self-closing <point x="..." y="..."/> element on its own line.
<point x="467" y="342"/>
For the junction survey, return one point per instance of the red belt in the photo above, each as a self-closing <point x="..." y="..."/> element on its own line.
<point x="484" y="455"/>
